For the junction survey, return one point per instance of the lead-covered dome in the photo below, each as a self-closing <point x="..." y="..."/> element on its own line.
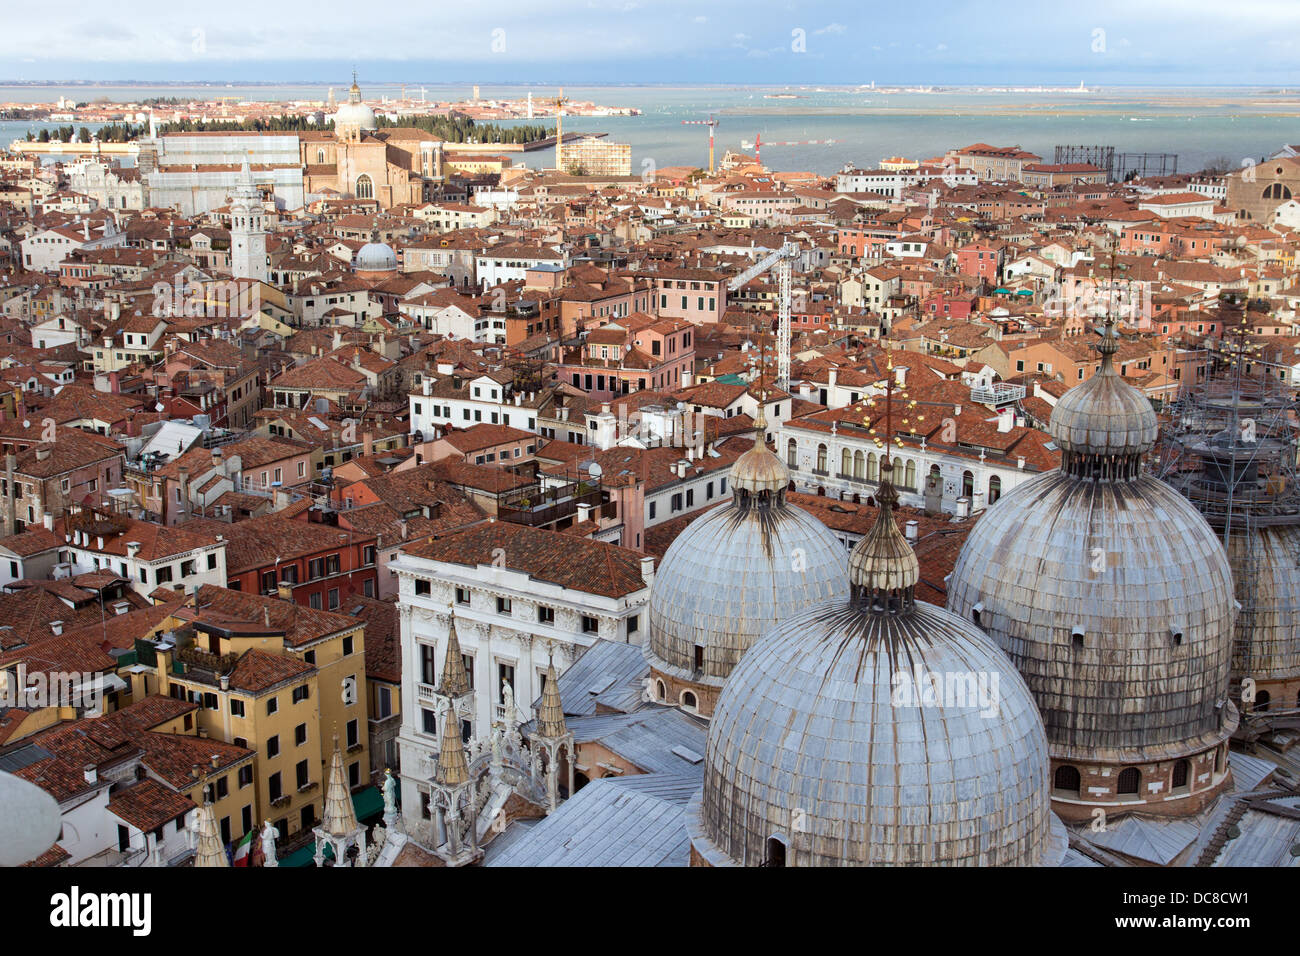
<point x="1107" y="589"/>
<point x="876" y="730"/>
<point x="375" y="257"/>
<point x="735" y="572"/>
<point x="355" y="114"/>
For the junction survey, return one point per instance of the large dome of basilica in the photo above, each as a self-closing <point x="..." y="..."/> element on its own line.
<point x="1112" y="596"/>
<point x="733" y="574"/>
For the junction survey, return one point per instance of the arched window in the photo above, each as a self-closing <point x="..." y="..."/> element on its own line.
<point x="967" y="483"/>
<point x="1066" y="779"/>
<point x="1277" y="191"/>
<point x="1262" y="700"/>
<point x="320" y="157"/>
<point x="1181" y="769"/>
<point x="995" y="488"/>
<point x="365" y="188"/>
<point x="1129" y="778"/>
<point x="909" y="474"/>
<point x="792" y="453"/>
<point x="688" y="700"/>
<point x="846" y="462"/>
<point x="873" y="467"/>
<point x="775" y="852"/>
<point x="661" y="692"/>
<point x="821" y="458"/>
<point x="859" y="465"/>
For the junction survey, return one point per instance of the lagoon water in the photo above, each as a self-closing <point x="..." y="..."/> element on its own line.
<point x="1198" y="125"/>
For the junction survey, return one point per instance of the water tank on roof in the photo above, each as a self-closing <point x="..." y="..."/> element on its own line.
<point x="202" y="422"/>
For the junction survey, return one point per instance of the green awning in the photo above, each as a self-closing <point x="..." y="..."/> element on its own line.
<point x="368" y="803"/>
<point x="305" y="855"/>
<point x="1025" y="292"/>
<point x="1000" y="291"/>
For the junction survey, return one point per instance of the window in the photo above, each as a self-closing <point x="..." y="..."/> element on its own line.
<point x="1129" y="778"/>
<point x="505" y="675"/>
<point x="347" y="646"/>
<point x="163" y="575"/>
<point x="365" y="187"/>
<point x="429" y="722"/>
<point x="314" y="601"/>
<point x="302" y="774"/>
<point x="503" y="605"/>
<point x="236" y="707"/>
<point x="272" y="705"/>
<point x="462" y="596"/>
<point x="353" y="738"/>
<point x="245" y="777"/>
<point x="300" y="693"/>
<point x="545" y="615"/>
<point x="1066" y="779"/>
<point x="273" y="746"/>
<point x="424" y="589"/>
<point x="334" y="599"/>
<point x="634" y="623"/>
<point x="1181" y="768"/>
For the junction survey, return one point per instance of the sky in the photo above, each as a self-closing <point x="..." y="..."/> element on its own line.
<point x="818" y="42"/>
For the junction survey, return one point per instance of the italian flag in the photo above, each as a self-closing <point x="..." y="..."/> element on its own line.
<point x="242" y="849"/>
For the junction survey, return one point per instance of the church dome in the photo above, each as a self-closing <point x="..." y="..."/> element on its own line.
<point x="1105" y="416"/>
<point x="354" y="113"/>
<point x="1107" y="589"/>
<point x="876" y="730"/>
<point x="738" y="570"/>
<point x="375" y="257"/>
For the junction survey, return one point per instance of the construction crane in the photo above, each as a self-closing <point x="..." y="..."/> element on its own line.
<point x="712" y="124"/>
<point x="780" y="260"/>
<point x="558" y="103"/>
<point x="757" y="144"/>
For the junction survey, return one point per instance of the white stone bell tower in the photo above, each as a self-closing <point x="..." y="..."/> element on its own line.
<point x="248" y="231"/>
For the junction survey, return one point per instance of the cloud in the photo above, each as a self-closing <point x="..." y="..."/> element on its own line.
<point x="831" y="28"/>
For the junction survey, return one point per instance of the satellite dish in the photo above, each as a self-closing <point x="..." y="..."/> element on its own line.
<point x="595" y="470"/>
<point x="26" y="423"/>
<point x="159" y="407"/>
<point x="30" y="824"/>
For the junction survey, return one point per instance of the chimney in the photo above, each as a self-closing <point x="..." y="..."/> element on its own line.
<point x="91" y="773"/>
<point x="284" y="591"/>
<point x="368" y="444"/>
<point x="911" y="531"/>
<point x="1020" y="462"/>
<point x="132" y="549"/>
<point x="56" y="627"/>
<point x="648" y="570"/>
<point x="185" y="490"/>
<point x="1006" y="418"/>
<point x="956" y="411"/>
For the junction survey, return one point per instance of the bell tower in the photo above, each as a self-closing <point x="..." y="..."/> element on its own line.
<point x="248" y="231"/>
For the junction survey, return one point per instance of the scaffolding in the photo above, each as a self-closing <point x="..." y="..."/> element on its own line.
<point x="1229" y="446"/>
<point x="1103" y="157"/>
<point x="1145" y="164"/>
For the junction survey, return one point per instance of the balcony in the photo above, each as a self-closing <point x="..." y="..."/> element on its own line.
<point x="997" y="393"/>
<point x="537" y="507"/>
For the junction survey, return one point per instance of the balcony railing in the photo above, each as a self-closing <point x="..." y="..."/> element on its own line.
<point x="537" y="506"/>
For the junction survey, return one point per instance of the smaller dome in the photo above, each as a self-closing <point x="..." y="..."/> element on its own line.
<point x="1105" y="416"/>
<point x="883" y="561"/>
<point x="375" y="257"/>
<point x="758" y="469"/>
